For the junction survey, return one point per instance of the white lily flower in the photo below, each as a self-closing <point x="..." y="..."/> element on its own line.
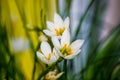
<point x="58" y="27"/>
<point x="66" y="49"/>
<point x="53" y="75"/>
<point x="46" y="55"/>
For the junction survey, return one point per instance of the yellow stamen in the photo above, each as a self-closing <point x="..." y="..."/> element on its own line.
<point x="69" y="50"/>
<point x="54" y="53"/>
<point x="59" y="31"/>
<point x="48" y="57"/>
<point x="66" y="50"/>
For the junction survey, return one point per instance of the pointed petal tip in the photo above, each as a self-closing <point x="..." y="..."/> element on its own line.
<point x="65" y="38"/>
<point x="55" y="53"/>
<point x="67" y="19"/>
<point x="55" y="42"/>
<point x="39" y="55"/>
<point x="58" y="22"/>
<point x="55" y="14"/>
<point x="45" y="48"/>
<point x="81" y="41"/>
<point x="48" y="33"/>
<point x="50" y="26"/>
<point x="76" y="45"/>
<point x="66" y="22"/>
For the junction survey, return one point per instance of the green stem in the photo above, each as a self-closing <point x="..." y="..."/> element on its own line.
<point x="12" y="67"/>
<point x="46" y="71"/>
<point x="65" y="69"/>
<point x="49" y="68"/>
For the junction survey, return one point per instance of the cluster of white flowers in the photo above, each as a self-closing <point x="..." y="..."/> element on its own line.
<point x="60" y="35"/>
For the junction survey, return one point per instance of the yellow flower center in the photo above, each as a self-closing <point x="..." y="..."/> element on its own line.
<point x="66" y="50"/>
<point x="59" y="31"/>
<point x="48" y="57"/>
<point x="54" y="53"/>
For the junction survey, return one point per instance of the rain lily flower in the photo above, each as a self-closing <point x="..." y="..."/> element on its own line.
<point x="46" y="55"/>
<point x="53" y="75"/>
<point x="66" y="49"/>
<point x="58" y="27"/>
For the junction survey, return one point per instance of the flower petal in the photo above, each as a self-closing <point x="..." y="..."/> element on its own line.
<point x="55" y="53"/>
<point x="52" y="59"/>
<point x="50" y="26"/>
<point x="58" y="52"/>
<point x="42" y="58"/>
<point x="72" y="55"/>
<point x="65" y="39"/>
<point x="58" y="20"/>
<point x="66" y="22"/>
<point x="77" y="52"/>
<point x="76" y="45"/>
<point x="45" y="48"/>
<point x="54" y="56"/>
<point x="59" y="75"/>
<point x="56" y="42"/>
<point x="69" y="57"/>
<point x="49" y="33"/>
<point x="59" y="37"/>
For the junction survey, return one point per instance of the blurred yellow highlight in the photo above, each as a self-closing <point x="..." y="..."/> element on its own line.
<point x="18" y="15"/>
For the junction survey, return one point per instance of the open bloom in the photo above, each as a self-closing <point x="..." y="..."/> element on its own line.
<point x="58" y="27"/>
<point x="46" y="55"/>
<point x="66" y="49"/>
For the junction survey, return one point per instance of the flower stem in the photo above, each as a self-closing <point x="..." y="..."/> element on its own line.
<point x="48" y="69"/>
<point x="65" y="69"/>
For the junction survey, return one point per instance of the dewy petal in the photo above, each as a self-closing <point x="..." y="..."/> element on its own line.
<point x="45" y="48"/>
<point x="41" y="57"/>
<point x="56" y="42"/>
<point x="49" y="33"/>
<point x="50" y="26"/>
<point x="65" y="39"/>
<point x="66" y="22"/>
<point x="58" y="20"/>
<point x="76" y="44"/>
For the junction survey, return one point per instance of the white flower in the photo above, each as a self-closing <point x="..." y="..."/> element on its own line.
<point x="53" y="75"/>
<point x="46" y="55"/>
<point x="58" y="27"/>
<point x="66" y="49"/>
